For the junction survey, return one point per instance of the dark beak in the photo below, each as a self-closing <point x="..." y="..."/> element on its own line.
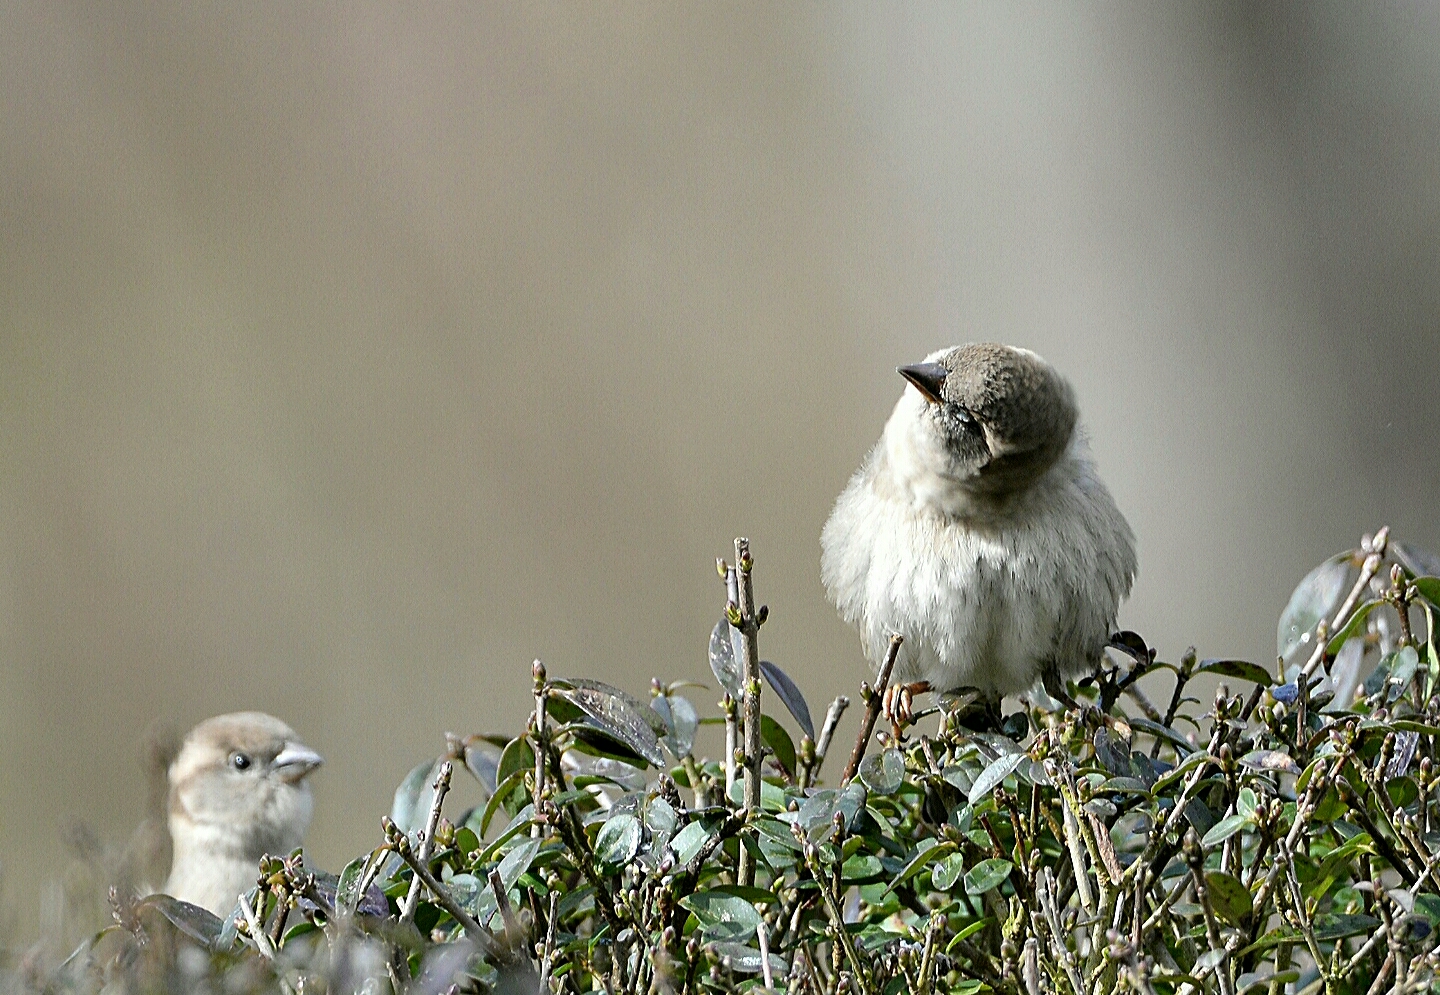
<point x="928" y="378"/>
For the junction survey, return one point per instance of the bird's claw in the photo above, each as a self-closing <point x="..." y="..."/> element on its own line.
<point x="898" y="706"/>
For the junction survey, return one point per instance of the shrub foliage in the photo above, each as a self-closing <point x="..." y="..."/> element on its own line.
<point x="1276" y="830"/>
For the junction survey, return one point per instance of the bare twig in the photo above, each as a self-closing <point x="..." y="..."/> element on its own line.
<point x="872" y="709"/>
<point x="749" y="621"/>
<point x="547" y="960"/>
<point x="427" y="842"/>
<point x="400" y="846"/>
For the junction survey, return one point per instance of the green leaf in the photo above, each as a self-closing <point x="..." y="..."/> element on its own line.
<point x="1224" y="829"/>
<point x="986" y="875"/>
<point x="723" y="916"/>
<point x="947" y="872"/>
<point x="1429" y="588"/>
<point x="1270" y="760"/>
<point x="1241" y="669"/>
<point x="927" y="851"/>
<point x="743" y="959"/>
<point x="774" y="736"/>
<point x="517" y="755"/>
<point x="1163" y="732"/>
<point x="681" y="721"/>
<point x="1337" y="927"/>
<point x="1355" y="626"/>
<point x="612" y="712"/>
<point x="1228" y="897"/>
<point x="994" y="773"/>
<point x="688" y="841"/>
<point x="862" y="867"/>
<point x="883" y="772"/>
<point x="619" y="841"/>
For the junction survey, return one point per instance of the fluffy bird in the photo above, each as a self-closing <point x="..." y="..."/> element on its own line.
<point x="238" y="791"/>
<point x="978" y="529"/>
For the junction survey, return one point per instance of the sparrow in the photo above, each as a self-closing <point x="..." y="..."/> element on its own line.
<point x="978" y="530"/>
<point x="237" y="792"/>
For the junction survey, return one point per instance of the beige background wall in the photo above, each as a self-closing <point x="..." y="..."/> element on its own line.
<point x="350" y="357"/>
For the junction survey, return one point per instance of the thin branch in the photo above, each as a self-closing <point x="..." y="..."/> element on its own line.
<point x="872" y="710"/>
<point x="427" y="842"/>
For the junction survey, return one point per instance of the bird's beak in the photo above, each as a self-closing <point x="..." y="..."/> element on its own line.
<point x="927" y="378"/>
<point x="295" y="761"/>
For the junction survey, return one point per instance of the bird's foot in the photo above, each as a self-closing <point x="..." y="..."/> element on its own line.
<point x="1055" y="688"/>
<point x="898" y="706"/>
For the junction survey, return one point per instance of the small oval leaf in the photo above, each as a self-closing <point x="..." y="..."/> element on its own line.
<point x="1241" y="669"/>
<point x="999" y="769"/>
<point x="883" y="772"/>
<point x="619" y="841"/>
<point x="987" y="875"/>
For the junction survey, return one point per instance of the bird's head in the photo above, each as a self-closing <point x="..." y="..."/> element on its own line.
<point x="239" y="782"/>
<point x="990" y="416"/>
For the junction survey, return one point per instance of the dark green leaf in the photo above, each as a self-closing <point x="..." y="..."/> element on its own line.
<point x="1337" y="927"/>
<point x="787" y="691"/>
<point x="1354" y="626"/>
<point x="927" y="851"/>
<point x="1228" y="897"/>
<point x="1241" y="669"/>
<point x="773" y="734"/>
<point x="947" y="872"/>
<point x="688" y="841"/>
<point x="1163" y="732"/>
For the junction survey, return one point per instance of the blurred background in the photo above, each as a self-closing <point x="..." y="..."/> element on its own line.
<point x="353" y="356"/>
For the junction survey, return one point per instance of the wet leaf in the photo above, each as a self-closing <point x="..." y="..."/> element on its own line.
<point x="789" y="693"/>
<point x="986" y="875"/>
<point x="883" y="772"/>
<point x="1314" y="598"/>
<point x="723" y="916"/>
<point x="850" y="803"/>
<point x="773" y="734"/>
<point x="1228" y="897"/>
<point x="723" y="662"/>
<point x="1242" y="669"/>
<point x="653" y="719"/>
<point x="616" y="717"/>
<point x="619" y="841"/>
<point x="1405" y="744"/>
<point x="517" y="755"/>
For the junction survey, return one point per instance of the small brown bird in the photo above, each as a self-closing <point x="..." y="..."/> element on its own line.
<point x="237" y="792"/>
<point x="979" y="530"/>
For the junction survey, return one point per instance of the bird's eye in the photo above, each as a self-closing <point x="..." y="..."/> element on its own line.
<point x="240" y="761"/>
